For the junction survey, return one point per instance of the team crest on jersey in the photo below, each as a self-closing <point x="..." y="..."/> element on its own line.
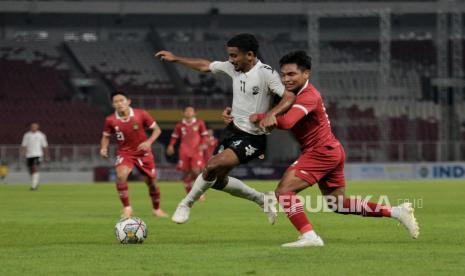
<point x="195" y="128"/>
<point x="255" y="90"/>
<point x="135" y="126"/>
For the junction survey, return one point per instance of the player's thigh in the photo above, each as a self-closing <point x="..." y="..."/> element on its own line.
<point x="290" y="182"/>
<point x="335" y="179"/>
<point x="146" y="165"/>
<point x="224" y="160"/>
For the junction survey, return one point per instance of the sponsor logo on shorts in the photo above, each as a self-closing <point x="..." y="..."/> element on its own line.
<point x="249" y="150"/>
<point x="236" y="143"/>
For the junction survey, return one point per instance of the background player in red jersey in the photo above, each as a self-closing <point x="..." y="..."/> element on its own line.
<point x="321" y="160"/>
<point x="193" y="135"/>
<point x="134" y="149"/>
<point x="212" y="143"/>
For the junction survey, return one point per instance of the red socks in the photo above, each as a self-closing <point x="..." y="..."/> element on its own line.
<point x="295" y="211"/>
<point x="154" y="192"/>
<point x="123" y="193"/>
<point x="355" y="206"/>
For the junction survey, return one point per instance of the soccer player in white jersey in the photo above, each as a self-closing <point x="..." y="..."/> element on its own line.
<point x="34" y="147"/>
<point x="254" y="85"/>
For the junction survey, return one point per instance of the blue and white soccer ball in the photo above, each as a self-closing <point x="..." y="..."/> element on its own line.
<point x="131" y="230"/>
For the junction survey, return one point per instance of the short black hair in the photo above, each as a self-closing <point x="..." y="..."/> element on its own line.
<point x="244" y="42"/>
<point x="118" y="93"/>
<point x="187" y="106"/>
<point x="303" y="61"/>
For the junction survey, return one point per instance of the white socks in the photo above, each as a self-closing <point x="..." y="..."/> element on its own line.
<point x="395" y="212"/>
<point x="234" y="187"/>
<point x="199" y="188"/>
<point x="238" y="188"/>
<point x="35" y="180"/>
<point x="310" y="235"/>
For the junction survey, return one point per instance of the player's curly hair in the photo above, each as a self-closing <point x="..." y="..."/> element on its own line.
<point x="303" y="61"/>
<point x="119" y="93"/>
<point x="244" y="42"/>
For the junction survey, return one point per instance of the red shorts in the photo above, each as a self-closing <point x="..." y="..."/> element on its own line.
<point x="145" y="163"/>
<point x="190" y="161"/>
<point x="323" y="165"/>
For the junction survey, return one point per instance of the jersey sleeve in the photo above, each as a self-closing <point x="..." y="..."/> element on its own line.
<point x="148" y="120"/>
<point x="222" y="67"/>
<point x="44" y="142"/>
<point x="175" y="135"/>
<point x="307" y="103"/>
<point x="273" y="81"/>
<point x="107" y="128"/>
<point x="24" y="142"/>
<point x="203" y="132"/>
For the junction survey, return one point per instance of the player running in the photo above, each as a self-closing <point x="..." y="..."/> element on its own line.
<point x="254" y="84"/>
<point x="194" y="136"/>
<point x="134" y="149"/>
<point x="321" y="160"/>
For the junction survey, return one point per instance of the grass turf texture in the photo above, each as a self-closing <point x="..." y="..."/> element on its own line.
<point x="68" y="229"/>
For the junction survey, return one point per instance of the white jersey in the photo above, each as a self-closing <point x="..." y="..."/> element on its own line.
<point x="252" y="92"/>
<point x="34" y="143"/>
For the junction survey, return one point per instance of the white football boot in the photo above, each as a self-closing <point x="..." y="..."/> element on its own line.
<point x="305" y="242"/>
<point x="181" y="215"/>
<point x="407" y="219"/>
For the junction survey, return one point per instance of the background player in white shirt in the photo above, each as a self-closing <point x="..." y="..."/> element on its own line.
<point x="254" y="84"/>
<point x="34" y="147"/>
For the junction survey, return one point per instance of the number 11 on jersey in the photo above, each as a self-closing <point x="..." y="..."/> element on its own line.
<point x="242" y="86"/>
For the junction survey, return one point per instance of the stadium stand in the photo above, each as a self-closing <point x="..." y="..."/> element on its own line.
<point x="34" y="89"/>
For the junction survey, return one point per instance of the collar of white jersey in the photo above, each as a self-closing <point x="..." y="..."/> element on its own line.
<point x="303" y="88"/>
<point x="184" y="121"/>
<point x="131" y="114"/>
<point x="259" y="63"/>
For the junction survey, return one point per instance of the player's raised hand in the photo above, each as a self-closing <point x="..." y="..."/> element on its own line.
<point x="144" y="146"/>
<point x="227" y="118"/>
<point x="165" y="55"/>
<point x="104" y="153"/>
<point x="170" y="150"/>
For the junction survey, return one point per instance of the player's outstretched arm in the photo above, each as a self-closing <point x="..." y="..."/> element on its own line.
<point x="199" y="64"/>
<point x="286" y="102"/>
<point x="104" y="142"/>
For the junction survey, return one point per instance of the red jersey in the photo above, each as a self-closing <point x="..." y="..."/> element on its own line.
<point x="130" y="132"/>
<point x="212" y="143"/>
<point x="192" y="135"/>
<point x="308" y="120"/>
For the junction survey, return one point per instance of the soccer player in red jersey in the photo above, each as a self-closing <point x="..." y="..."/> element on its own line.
<point x="193" y="135"/>
<point x="134" y="149"/>
<point x="321" y="160"/>
<point x="212" y="143"/>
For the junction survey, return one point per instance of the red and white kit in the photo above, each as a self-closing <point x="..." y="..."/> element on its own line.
<point x="192" y="135"/>
<point x="130" y="133"/>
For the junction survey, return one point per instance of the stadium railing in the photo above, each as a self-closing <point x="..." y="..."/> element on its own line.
<point x="86" y="157"/>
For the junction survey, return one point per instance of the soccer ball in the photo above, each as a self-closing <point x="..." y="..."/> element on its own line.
<point x="131" y="230"/>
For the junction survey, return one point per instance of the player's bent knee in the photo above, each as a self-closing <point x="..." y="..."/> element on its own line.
<point x="212" y="170"/>
<point x="220" y="184"/>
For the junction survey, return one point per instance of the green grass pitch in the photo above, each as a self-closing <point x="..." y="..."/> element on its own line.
<point x="68" y="230"/>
